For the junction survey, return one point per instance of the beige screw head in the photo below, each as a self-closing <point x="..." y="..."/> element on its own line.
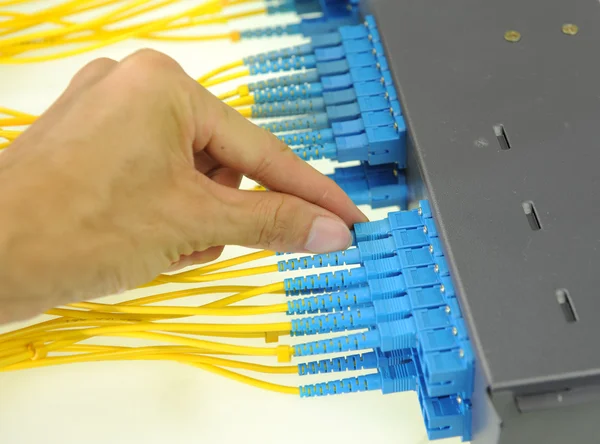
<point x="512" y="36"/>
<point x="570" y="29"/>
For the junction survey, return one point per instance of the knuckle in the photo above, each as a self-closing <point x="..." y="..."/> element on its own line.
<point x="96" y="66"/>
<point x="150" y="59"/>
<point x="94" y="69"/>
<point x="275" y="149"/>
<point x="272" y="221"/>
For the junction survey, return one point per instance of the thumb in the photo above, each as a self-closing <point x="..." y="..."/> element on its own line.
<point x="277" y="222"/>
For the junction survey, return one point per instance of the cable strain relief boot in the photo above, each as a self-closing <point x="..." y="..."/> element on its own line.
<point x="350" y="256"/>
<point x="298" y="78"/>
<point x="325" y="281"/>
<point x="316" y="121"/>
<point x="309" y="137"/>
<point x="337" y="300"/>
<point x="353" y="342"/>
<point x="348" y="385"/>
<point x="315" y="152"/>
<point x="291" y="92"/>
<point x="342" y="364"/>
<point x="353" y="318"/>
<point x="271" y="31"/>
<point x="288" y="108"/>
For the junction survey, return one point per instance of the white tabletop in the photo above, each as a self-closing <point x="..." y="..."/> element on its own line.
<point x="162" y="402"/>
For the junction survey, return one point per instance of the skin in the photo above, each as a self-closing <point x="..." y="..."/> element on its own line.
<point x="136" y="168"/>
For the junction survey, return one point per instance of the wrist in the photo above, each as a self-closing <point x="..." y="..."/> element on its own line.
<point x="35" y="269"/>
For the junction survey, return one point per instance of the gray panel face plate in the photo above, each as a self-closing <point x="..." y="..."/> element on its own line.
<point x="457" y="78"/>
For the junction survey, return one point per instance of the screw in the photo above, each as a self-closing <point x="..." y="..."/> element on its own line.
<point x="442" y="289"/>
<point x="461" y="353"/>
<point x="448" y="309"/>
<point x="459" y="400"/>
<point x="420" y="211"/>
<point x="455" y="331"/>
<point x="425" y="229"/>
<point x="570" y="29"/>
<point x="436" y="268"/>
<point x="512" y="36"/>
<point x="431" y="249"/>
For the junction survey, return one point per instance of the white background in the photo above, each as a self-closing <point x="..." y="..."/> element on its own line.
<point x="161" y="402"/>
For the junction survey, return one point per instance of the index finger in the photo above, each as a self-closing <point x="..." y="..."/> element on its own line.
<point x="239" y="144"/>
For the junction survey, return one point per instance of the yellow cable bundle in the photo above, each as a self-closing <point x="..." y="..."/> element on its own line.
<point x="95" y="31"/>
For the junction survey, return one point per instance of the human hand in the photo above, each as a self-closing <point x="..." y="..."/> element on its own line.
<point x="135" y="168"/>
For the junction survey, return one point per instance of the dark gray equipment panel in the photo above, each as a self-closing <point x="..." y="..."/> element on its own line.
<point x="506" y="139"/>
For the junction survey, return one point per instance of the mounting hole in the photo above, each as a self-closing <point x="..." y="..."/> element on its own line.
<point x="531" y="215"/>
<point x="566" y="305"/>
<point x="500" y="133"/>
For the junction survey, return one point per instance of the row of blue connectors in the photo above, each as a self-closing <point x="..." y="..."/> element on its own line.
<point x="402" y="298"/>
<point x="348" y="98"/>
<point x="375" y="185"/>
<point x="407" y="279"/>
<point x="316" y="17"/>
<point x="443" y="350"/>
<point x="445" y="415"/>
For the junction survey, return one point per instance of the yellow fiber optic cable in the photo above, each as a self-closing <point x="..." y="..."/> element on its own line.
<point x="117" y="38"/>
<point x="200" y="21"/>
<point x="153" y="353"/>
<point x="161" y="297"/>
<point x="72" y="315"/>
<point x="220" y="70"/>
<point x="177" y="328"/>
<point x="244" y="295"/>
<point x="211" y="277"/>
<point x="9" y="134"/>
<point x="69" y="29"/>
<point x="15" y="113"/>
<point x="242" y="101"/>
<point x="246" y="112"/>
<point x="182" y="311"/>
<point x="248" y="380"/>
<point x="106" y="328"/>
<point x="226" y="78"/>
<point x="139" y="301"/>
<point x="284" y="353"/>
<point x="189" y="38"/>
<point x="228" y="94"/>
<point x="227" y="263"/>
<point x="16" y="121"/>
<point x="55" y="37"/>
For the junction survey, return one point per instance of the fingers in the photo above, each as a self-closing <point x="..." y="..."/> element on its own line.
<point x="274" y="221"/>
<point x="237" y="143"/>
